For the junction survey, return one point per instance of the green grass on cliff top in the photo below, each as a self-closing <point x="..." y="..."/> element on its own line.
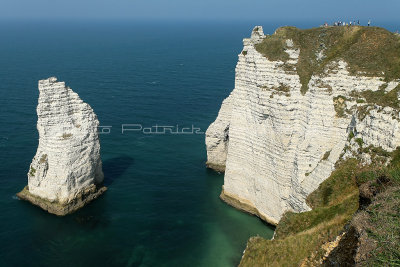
<point x="373" y="51"/>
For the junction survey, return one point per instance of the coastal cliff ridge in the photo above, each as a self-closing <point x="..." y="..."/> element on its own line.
<point x="309" y="141"/>
<point x="298" y="95"/>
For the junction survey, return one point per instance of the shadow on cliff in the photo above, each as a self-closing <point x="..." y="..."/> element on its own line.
<point x="115" y="168"/>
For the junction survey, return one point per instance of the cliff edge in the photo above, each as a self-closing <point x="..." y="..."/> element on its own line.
<point x="66" y="172"/>
<point x="303" y="100"/>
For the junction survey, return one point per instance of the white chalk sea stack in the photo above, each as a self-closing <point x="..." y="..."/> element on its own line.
<point x="66" y="172"/>
<point x="277" y="144"/>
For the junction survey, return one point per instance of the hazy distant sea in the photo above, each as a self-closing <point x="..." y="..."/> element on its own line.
<point x="162" y="206"/>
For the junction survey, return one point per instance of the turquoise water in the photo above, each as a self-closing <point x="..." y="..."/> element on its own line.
<point x="162" y="206"/>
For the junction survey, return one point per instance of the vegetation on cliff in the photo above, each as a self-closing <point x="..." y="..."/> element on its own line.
<point x="299" y="235"/>
<point x="371" y="51"/>
<point x="330" y="233"/>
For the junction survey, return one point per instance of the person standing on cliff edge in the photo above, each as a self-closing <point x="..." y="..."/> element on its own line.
<point x="369" y="22"/>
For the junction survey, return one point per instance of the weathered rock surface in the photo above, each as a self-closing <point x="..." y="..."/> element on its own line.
<point x="66" y="172"/>
<point x="217" y="140"/>
<point x="277" y="144"/>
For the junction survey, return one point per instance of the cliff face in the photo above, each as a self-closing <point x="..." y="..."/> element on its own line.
<point x="297" y="109"/>
<point x="66" y="171"/>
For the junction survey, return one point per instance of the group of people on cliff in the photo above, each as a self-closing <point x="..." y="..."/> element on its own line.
<point x="342" y="23"/>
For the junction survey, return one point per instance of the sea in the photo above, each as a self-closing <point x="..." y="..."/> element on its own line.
<point x="162" y="207"/>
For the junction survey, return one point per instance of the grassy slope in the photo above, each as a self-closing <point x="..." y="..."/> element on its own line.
<point x="299" y="236"/>
<point x="384" y="229"/>
<point x="371" y="50"/>
<point x="383" y="225"/>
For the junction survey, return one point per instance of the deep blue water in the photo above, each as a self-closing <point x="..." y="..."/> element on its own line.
<point x="162" y="206"/>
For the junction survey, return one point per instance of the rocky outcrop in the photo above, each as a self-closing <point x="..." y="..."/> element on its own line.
<point x="66" y="172"/>
<point x="278" y="142"/>
<point x="217" y="140"/>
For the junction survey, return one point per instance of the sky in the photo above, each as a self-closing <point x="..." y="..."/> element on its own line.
<point x="383" y="10"/>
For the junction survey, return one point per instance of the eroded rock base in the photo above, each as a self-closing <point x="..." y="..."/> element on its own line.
<point x="244" y="205"/>
<point x="215" y="167"/>
<point x="61" y="209"/>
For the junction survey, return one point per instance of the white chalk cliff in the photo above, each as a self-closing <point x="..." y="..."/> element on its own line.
<point x="276" y="146"/>
<point x="66" y="171"/>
